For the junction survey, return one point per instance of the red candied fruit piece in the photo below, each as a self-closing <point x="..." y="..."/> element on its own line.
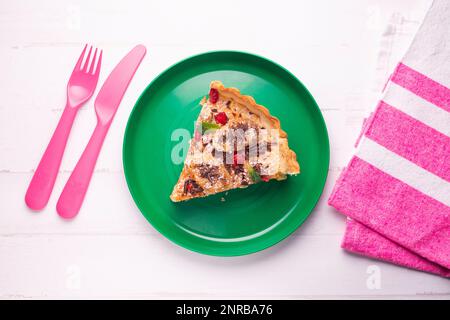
<point x="221" y="118"/>
<point x="213" y="95"/>
<point x="265" y="178"/>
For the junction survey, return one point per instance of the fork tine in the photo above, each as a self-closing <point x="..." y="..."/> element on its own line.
<point x="86" y="62"/>
<point x="80" y="59"/>
<point x="91" y="68"/>
<point x="99" y="64"/>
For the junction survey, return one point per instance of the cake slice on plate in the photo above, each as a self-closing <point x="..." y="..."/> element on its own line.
<point x="236" y="143"/>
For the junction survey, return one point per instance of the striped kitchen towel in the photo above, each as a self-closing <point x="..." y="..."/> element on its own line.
<point x="396" y="187"/>
<point x="362" y="240"/>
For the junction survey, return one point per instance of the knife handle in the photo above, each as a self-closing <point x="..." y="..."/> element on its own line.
<point x="44" y="177"/>
<point x="72" y="196"/>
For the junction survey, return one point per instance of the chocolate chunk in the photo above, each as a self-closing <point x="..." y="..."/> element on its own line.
<point x="242" y="126"/>
<point x="209" y="172"/>
<point x="191" y="186"/>
<point x="214" y="110"/>
<point x="257" y="167"/>
<point x="239" y="168"/>
<point x="235" y="168"/>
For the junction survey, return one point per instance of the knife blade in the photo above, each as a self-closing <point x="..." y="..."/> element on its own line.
<point x="112" y="91"/>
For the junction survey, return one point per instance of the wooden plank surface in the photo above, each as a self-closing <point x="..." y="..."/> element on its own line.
<point x="342" y="51"/>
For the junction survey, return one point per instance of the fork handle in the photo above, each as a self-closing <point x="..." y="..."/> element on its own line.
<point x="72" y="196"/>
<point x="44" y="177"/>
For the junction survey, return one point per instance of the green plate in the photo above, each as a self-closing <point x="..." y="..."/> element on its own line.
<point x="249" y="219"/>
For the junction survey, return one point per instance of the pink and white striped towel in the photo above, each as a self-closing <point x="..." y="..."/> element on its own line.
<point x="396" y="187"/>
<point x="362" y="240"/>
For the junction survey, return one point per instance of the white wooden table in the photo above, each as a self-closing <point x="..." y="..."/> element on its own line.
<point x="341" y="50"/>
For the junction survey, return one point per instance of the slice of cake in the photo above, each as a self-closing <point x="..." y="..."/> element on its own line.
<point x="236" y="143"/>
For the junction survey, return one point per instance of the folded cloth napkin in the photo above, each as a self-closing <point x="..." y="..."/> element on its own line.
<point x="361" y="240"/>
<point x="397" y="184"/>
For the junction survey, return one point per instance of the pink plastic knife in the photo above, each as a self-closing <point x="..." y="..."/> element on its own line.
<point x="106" y="104"/>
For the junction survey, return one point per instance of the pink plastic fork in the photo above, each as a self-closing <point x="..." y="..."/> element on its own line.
<point x="80" y="88"/>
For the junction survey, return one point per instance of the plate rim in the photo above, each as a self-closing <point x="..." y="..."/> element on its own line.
<point x="230" y="252"/>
